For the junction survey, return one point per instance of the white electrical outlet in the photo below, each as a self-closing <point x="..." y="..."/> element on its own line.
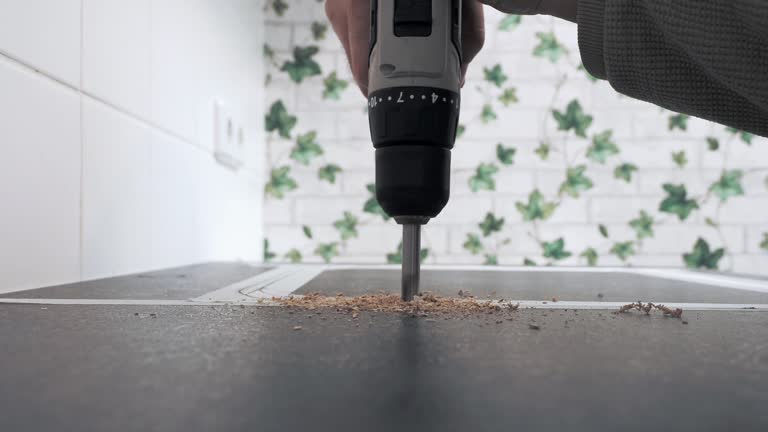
<point x="228" y="137"/>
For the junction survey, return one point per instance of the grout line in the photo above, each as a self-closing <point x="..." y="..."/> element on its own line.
<point x="145" y="122"/>
<point x="81" y="248"/>
<point x="149" y="123"/>
<point x="38" y="72"/>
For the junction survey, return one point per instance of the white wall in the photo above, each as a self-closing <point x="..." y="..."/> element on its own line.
<point x="640" y="130"/>
<point x="106" y="126"/>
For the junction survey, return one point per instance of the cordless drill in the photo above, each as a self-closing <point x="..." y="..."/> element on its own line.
<point x="413" y="109"/>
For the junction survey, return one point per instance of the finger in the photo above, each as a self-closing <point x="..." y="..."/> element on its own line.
<point x="359" y="33"/>
<point x="472" y="33"/>
<point x="335" y="10"/>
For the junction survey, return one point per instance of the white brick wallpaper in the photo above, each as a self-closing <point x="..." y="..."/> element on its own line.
<point x="641" y="132"/>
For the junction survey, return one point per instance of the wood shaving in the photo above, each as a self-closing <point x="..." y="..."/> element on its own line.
<point x="422" y="305"/>
<point x="648" y="307"/>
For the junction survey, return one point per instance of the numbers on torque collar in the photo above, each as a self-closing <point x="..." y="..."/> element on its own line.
<point x="402" y="97"/>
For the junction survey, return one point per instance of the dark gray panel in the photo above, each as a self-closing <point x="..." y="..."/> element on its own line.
<point x="102" y="368"/>
<point x="172" y="284"/>
<point x="523" y="285"/>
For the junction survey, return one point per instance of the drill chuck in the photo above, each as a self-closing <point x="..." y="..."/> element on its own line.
<point x="413" y="130"/>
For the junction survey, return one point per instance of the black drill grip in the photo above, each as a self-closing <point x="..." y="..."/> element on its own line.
<point x="422" y="116"/>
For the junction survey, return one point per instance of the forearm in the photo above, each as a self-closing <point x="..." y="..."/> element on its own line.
<point x="705" y="58"/>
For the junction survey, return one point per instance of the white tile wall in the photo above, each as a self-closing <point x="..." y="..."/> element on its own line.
<point x="117" y="37"/>
<point x="44" y="34"/>
<point x="194" y="63"/>
<point x="39" y="179"/>
<point x="117" y="188"/>
<point x="118" y="176"/>
<point x="176" y="198"/>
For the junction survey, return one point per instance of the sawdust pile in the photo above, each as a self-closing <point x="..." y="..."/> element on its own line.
<point x="422" y="305"/>
<point x="648" y="307"/>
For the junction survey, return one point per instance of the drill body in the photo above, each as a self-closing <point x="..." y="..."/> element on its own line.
<point x="413" y="109"/>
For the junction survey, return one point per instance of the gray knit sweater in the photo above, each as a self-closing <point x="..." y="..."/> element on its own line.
<point x="707" y="58"/>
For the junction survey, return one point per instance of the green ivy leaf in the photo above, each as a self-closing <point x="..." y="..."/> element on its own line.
<point x="586" y="72"/>
<point x="268" y="254"/>
<point x="573" y="119"/>
<point x="603" y="230"/>
<point x="347" y="226"/>
<point x="279" y="6"/>
<point x="279" y="120"/>
<point x="307" y="231"/>
<point x="729" y="185"/>
<point x="702" y="257"/>
<point x="575" y="181"/>
<point x="483" y="178"/>
<point x="488" y="115"/>
<point x="495" y="75"/>
<point x="508" y="96"/>
<point x="423" y="254"/>
<point x="293" y="256"/>
<point x="680" y="159"/>
<point x="460" y="131"/>
<point x="590" y="254"/>
<point x="333" y="86"/>
<point x="678" y="121"/>
<point x="764" y="243"/>
<point x="555" y="250"/>
<point x="624" y="171"/>
<point x="303" y="65"/>
<point x="746" y="137"/>
<point x="328" y="173"/>
<point x="473" y="244"/>
<point x="327" y="251"/>
<point x="623" y="250"/>
<point x="280" y="182"/>
<point x="529" y="262"/>
<point x="306" y="148"/>
<point x="548" y="47"/>
<point x="677" y="201"/>
<point x="268" y="52"/>
<point x="713" y="144"/>
<point x="506" y="155"/>
<point x="372" y="205"/>
<point x="602" y="147"/>
<point x="537" y="208"/>
<point x="397" y="257"/>
<point x="318" y="30"/>
<point x="491" y="260"/>
<point x="643" y="225"/>
<point x="491" y="224"/>
<point x="510" y="22"/>
<point x="543" y="150"/>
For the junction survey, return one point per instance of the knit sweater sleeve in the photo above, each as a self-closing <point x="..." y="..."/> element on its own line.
<point x="706" y="58"/>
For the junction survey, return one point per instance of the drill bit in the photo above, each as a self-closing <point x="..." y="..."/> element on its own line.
<point x="411" y="260"/>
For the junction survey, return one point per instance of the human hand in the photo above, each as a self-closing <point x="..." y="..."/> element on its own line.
<point x="351" y="22"/>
